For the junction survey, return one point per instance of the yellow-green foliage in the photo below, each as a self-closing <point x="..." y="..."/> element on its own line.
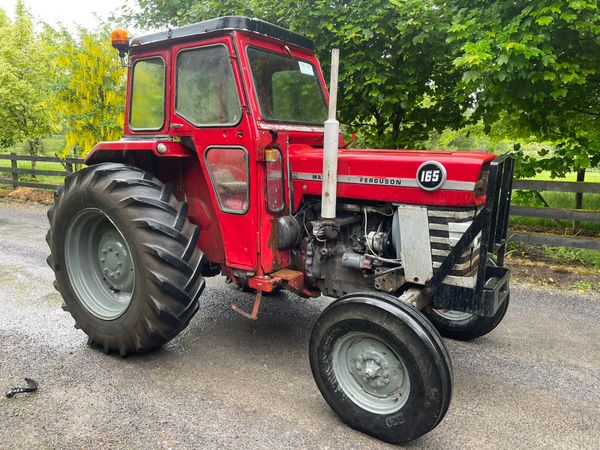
<point x="92" y="95"/>
<point x="25" y="82"/>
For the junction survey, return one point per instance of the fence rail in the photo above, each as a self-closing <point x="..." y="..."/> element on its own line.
<point x="71" y="164"/>
<point x="554" y="240"/>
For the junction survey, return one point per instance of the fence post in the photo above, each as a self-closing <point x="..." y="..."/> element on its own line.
<point x="14" y="171"/>
<point x="579" y="199"/>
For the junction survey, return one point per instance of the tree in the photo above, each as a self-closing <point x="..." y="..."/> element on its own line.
<point x="533" y="67"/>
<point x="25" y="80"/>
<point x="90" y="92"/>
<point x="397" y="79"/>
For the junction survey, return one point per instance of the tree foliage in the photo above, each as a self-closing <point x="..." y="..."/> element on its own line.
<point x="53" y="81"/>
<point x="533" y="68"/>
<point x="90" y="89"/>
<point x="410" y="68"/>
<point x="25" y="82"/>
<point x="396" y="78"/>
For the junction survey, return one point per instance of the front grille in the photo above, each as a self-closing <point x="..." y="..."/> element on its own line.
<point x="446" y="226"/>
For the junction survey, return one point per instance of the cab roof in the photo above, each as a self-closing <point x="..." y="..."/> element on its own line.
<point x="227" y="23"/>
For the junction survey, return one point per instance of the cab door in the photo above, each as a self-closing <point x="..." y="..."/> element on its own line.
<point x="209" y="108"/>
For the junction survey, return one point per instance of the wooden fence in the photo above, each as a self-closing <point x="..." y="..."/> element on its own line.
<point x="556" y="214"/>
<point x="69" y="165"/>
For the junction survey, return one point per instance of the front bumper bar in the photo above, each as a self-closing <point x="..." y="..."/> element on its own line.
<point x="492" y="285"/>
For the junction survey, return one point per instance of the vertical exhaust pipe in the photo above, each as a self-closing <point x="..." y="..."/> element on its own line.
<point x="330" y="144"/>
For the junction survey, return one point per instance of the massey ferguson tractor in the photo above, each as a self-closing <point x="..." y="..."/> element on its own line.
<point x="232" y="163"/>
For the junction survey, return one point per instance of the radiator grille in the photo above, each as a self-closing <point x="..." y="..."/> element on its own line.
<point x="446" y="226"/>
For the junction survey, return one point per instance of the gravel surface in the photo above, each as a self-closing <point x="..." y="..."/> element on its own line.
<point x="226" y="382"/>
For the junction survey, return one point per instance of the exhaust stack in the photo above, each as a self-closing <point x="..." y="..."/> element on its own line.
<point x="330" y="144"/>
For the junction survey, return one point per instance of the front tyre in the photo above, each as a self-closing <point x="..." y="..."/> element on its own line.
<point x="124" y="256"/>
<point x="381" y="366"/>
<point x="464" y="326"/>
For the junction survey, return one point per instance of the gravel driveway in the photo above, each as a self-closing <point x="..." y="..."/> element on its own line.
<point x="230" y="383"/>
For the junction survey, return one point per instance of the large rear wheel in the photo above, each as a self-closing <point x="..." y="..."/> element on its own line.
<point x="125" y="257"/>
<point x="381" y="366"/>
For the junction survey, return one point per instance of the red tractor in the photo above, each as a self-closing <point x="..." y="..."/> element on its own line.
<point x="231" y="165"/>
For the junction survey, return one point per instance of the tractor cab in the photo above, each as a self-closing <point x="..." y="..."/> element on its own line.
<point x="234" y="92"/>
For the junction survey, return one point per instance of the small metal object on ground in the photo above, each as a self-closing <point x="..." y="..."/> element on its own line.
<point x="31" y="387"/>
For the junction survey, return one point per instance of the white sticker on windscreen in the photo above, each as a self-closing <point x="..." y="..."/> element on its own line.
<point x="306" y="68"/>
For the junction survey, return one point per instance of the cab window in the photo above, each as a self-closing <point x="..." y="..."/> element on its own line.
<point x="206" y="89"/>
<point x="288" y="90"/>
<point x="228" y="168"/>
<point x="147" y="110"/>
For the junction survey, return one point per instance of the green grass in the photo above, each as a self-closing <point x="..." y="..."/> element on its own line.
<point x="50" y="146"/>
<point x="589" y="258"/>
<point x="591" y="176"/>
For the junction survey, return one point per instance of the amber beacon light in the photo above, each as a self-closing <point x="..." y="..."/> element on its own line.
<point x="120" y="41"/>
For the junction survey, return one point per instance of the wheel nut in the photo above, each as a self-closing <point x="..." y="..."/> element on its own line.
<point x="102" y="260"/>
<point x="110" y="249"/>
<point x="118" y="273"/>
<point x="105" y="271"/>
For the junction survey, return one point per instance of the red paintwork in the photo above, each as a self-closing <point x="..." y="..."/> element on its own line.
<point x="174" y="149"/>
<point x="460" y="166"/>
<point x="248" y="241"/>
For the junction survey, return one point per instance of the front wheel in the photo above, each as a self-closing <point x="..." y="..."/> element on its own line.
<point x="381" y="367"/>
<point x="124" y="256"/>
<point x="464" y="326"/>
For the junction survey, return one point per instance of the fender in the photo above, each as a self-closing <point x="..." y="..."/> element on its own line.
<point x="166" y="159"/>
<point x="113" y="151"/>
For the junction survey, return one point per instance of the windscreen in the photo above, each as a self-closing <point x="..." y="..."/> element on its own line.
<point x="288" y="90"/>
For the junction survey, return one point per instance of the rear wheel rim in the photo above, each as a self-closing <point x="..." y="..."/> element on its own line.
<point x="450" y="314"/>
<point x="370" y="373"/>
<point x="99" y="264"/>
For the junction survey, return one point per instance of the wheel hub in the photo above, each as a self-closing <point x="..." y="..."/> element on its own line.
<point x="371" y="373"/>
<point x="114" y="260"/>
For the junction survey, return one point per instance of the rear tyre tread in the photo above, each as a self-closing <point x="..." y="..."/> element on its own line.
<point x="173" y="283"/>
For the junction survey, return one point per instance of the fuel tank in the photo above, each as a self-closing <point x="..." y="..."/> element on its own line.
<point x="437" y="178"/>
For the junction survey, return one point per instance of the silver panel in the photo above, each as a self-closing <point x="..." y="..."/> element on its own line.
<point x="384" y="181"/>
<point x="415" y="246"/>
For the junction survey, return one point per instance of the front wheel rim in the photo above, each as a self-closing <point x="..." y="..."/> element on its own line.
<point x="99" y="264"/>
<point x="370" y="373"/>
<point x="452" y="315"/>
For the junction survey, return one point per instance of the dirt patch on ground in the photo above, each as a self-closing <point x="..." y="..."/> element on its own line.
<point x="543" y="273"/>
<point x="25" y="195"/>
